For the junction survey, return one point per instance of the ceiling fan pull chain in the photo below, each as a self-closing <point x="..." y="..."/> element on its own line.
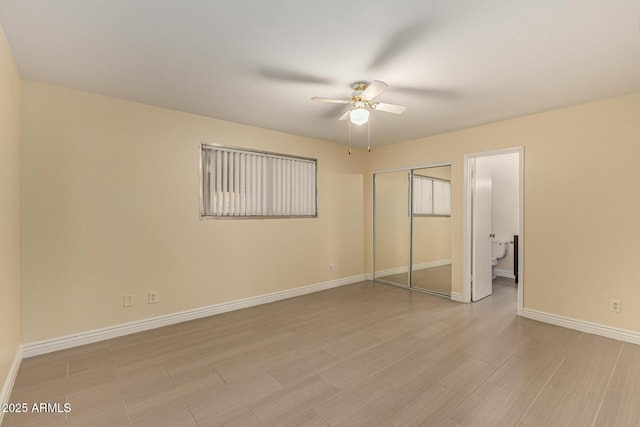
<point x="369" y="136"/>
<point x="349" y="124"/>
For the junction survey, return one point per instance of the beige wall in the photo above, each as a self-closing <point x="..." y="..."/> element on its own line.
<point x="581" y="203"/>
<point x="110" y="207"/>
<point x="10" y="86"/>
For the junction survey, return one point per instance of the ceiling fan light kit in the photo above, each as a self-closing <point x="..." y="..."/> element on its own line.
<point x="359" y="115"/>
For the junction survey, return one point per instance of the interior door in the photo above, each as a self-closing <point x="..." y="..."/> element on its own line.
<point x="481" y="276"/>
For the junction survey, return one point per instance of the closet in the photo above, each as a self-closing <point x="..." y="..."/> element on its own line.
<point x="412" y="228"/>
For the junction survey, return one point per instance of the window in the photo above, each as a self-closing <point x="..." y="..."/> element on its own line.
<point x="249" y="184"/>
<point x="431" y="196"/>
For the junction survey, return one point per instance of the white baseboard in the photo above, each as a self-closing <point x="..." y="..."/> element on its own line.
<point x="504" y="273"/>
<point x="7" y="387"/>
<point x="457" y="297"/>
<point x="61" y="343"/>
<point x="583" y="326"/>
<point x="405" y="269"/>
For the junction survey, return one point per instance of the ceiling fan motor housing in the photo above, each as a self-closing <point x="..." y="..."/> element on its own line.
<point x="358" y="88"/>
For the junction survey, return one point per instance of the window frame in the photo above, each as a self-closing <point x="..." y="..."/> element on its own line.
<point x="204" y="198"/>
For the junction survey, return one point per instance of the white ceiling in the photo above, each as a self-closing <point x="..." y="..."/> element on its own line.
<point x="453" y="63"/>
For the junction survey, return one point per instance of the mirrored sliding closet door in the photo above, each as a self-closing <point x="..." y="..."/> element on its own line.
<point x="391" y="228"/>
<point x="412" y="229"/>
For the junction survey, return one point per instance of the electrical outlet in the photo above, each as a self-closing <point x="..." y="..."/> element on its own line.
<point x="614" y="305"/>
<point x="330" y="267"/>
<point x="153" y="297"/>
<point x="127" y="301"/>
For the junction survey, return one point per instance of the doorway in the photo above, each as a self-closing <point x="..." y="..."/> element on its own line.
<point x="493" y="199"/>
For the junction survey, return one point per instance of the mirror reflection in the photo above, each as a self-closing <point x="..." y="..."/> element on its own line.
<point x="413" y="250"/>
<point x="391" y="229"/>
<point x="431" y="231"/>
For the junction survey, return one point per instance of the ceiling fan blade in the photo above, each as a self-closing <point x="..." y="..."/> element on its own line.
<point x="374" y="89"/>
<point x="345" y="116"/>
<point x="293" y="76"/>
<point x="399" y="42"/>
<point x="389" y="108"/>
<point x="331" y="111"/>
<point x="434" y="93"/>
<point x="330" y="100"/>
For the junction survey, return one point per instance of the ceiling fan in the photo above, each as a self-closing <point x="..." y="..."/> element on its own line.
<point x="362" y="101"/>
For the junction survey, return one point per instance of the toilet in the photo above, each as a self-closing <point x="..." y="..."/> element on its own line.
<point x="498" y="250"/>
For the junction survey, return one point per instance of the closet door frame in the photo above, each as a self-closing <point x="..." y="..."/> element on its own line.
<point x="409" y="170"/>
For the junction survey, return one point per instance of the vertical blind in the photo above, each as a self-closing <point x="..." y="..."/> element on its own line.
<point x="441" y="197"/>
<point x="241" y="183"/>
<point x="422" y="195"/>
<point x="431" y="196"/>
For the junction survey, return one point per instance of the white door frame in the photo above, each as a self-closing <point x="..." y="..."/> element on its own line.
<point x="466" y="218"/>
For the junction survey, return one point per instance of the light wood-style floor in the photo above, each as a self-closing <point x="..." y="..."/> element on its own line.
<point x="360" y="355"/>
